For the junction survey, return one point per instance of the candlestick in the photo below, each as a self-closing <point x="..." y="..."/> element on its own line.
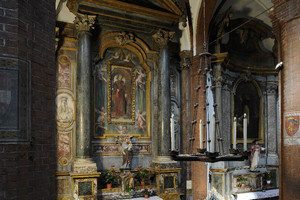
<point x="201" y="137"/>
<point x="172" y="132"/>
<point x="212" y="134"/>
<point x="234" y="133"/>
<point x="245" y="132"/>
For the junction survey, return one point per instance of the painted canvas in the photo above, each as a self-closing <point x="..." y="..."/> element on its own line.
<point x="121" y="87"/>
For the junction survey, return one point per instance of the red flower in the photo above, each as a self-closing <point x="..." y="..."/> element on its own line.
<point x="112" y="166"/>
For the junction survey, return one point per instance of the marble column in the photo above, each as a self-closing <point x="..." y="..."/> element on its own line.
<point x="164" y="139"/>
<point x="271" y="123"/>
<point x="162" y="161"/>
<point x="83" y="90"/>
<point x="84" y="170"/>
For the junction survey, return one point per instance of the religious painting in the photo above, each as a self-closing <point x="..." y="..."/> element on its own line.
<point x="9" y="95"/>
<point x="64" y="72"/>
<point x="64" y="147"/>
<point x="65" y="115"/>
<point x="247" y="101"/>
<point x="122" y="93"/>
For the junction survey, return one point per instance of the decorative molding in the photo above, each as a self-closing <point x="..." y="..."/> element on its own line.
<point x="124" y="38"/>
<point x="162" y="37"/>
<point x="219" y="58"/>
<point x="84" y="22"/>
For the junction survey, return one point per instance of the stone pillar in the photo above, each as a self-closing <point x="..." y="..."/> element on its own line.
<point x="271" y="128"/>
<point x="84" y="170"/>
<point x="286" y="27"/>
<point x="166" y="170"/>
<point x="162" y="38"/>
<point x="83" y="88"/>
<point x="186" y="118"/>
<point x="224" y="134"/>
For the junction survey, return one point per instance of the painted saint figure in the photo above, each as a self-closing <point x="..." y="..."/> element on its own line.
<point x="119" y="107"/>
<point x="126" y="152"/>
<point x="255" y="155"/>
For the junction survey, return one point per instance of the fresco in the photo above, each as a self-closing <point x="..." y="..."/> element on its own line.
<point x="120" y="94"/>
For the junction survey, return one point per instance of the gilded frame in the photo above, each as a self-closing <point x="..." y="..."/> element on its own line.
<point x="124" y="74"/>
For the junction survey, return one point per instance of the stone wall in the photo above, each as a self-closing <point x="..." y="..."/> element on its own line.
<point x="27" y="168"/>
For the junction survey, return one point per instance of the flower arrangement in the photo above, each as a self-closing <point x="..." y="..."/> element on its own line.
<point x="144" y="174"/>
<point x="110" y="175"/>
<point x="147" y="191"/>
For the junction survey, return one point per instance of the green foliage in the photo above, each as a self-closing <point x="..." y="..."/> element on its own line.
<point x="267" y="175"/>
<point x="110" y="175"/>
<point x="144" y="174"/>
<point x="242" y="179"/>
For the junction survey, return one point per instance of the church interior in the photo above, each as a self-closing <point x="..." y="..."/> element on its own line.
<point x="158" y="99"/>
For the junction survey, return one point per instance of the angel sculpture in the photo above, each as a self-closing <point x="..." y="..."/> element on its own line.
<point x="99" y="73"/>
<point x="140" y="120"/>
<point x="139" y="80"/>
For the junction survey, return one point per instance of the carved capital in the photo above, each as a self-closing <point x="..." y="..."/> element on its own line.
<point x="124" y="38"/>
<point x="162" y="37"/>
<point x="185" y="59"/>
<point x="84" y="22"/>
<point x="271" y="90"/>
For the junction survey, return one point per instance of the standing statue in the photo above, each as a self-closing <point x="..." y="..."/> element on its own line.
<point x="126" y="150"/>
<point x="255" y="155"/>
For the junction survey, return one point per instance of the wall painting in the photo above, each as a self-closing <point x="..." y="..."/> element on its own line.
<point x="122" y="85"/>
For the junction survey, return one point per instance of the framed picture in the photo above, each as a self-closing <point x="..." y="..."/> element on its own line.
<point x="121" y="94"/>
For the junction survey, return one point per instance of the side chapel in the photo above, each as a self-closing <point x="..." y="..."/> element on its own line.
<point x="119" y="99"/>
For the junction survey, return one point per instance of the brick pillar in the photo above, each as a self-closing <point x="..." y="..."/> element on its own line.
<point x="286" y="27"/>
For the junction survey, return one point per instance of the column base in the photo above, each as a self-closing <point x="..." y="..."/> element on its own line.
<point x="166" y="171"/>
<point x="84" y="177"/>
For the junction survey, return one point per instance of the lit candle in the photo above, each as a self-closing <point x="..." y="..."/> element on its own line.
<point x="245" y="132"/>
<point x="172" y="133"/>
<point x="201" y="137"/>
<point x="234" y="133"/>
<point x="212" y="134"/>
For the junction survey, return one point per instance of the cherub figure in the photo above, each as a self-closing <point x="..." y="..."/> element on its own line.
<point x="122" y="129"/>
<point x="99" y="73"/>
<point x="101" y="118"/>
<point x="140" y="120"/>
<point x="139" y="80"/>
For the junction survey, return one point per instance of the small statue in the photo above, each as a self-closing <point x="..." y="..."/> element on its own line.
<point x="255" y="155"/>
<point x="126" y="150"/>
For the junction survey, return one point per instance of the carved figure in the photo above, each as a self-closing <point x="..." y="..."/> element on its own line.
<point x="255" y="155"/>
<point x="64" y="112"/>
<point x="126" y="152"/>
